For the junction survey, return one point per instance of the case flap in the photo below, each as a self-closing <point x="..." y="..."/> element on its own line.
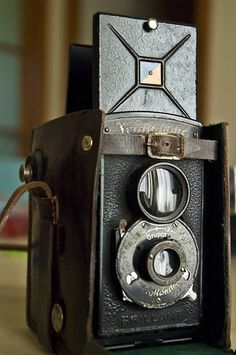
<point x="70" y="147"/>
<point x="39" y="285"/>
<point x="217" y="256"/>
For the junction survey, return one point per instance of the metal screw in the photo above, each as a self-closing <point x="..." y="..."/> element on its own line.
<point x="26" y="173"/>
<point x="106" y="129"/>
<point x="57" y="318"/>
<point x="152" y="24"/>
<point x="87" y="143"/>
<point x="150" y="72"/>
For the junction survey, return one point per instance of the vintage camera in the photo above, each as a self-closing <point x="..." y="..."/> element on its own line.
<point x="133" y="249"/>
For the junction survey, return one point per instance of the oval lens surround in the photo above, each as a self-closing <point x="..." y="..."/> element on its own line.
<point x="163" y="192"/>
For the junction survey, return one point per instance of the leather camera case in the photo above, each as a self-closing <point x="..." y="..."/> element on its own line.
<point x="62" y="257"/>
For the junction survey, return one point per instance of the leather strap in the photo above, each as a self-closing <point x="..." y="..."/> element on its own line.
<point x="46" y="209"/>
<point x="19" y="192"/>
<point x="160" y="146"/>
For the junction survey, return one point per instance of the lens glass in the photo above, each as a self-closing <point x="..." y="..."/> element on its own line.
<point x="160" y="192"/>
<point x="166" y="263"/>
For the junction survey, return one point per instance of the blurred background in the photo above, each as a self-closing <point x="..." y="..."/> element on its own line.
<point x="34" y="42"/>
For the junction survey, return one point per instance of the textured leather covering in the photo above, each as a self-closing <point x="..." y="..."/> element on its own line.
<point x="114" y="316"/>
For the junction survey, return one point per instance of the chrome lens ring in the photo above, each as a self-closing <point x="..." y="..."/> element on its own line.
<point x="163" y="192"/>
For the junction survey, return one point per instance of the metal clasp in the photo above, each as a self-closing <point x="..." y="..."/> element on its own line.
<point x="165" y="145"/>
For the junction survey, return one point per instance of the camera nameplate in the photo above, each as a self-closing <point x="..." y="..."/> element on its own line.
<point x="145" y="123"/>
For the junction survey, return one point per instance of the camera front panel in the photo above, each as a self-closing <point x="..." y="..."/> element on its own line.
<point x="149" y="275"/>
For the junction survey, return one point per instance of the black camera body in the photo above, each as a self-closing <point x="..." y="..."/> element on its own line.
<point x="161" y="308"/>
<point x="139" y="253"/>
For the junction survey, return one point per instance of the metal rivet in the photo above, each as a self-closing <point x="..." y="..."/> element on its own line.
<point x="57" y="318"/>
<point x="106" y="129"/>
<point x="26" y="173"/>
<point x="87" y="143"/>
<point x="152" y="24"/>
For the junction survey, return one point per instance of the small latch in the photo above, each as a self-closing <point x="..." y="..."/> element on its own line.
<point x="165" y="145"/>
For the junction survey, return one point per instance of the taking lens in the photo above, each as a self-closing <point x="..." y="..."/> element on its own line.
<point x="165" y="262"/>
<point x="163" y="192"/>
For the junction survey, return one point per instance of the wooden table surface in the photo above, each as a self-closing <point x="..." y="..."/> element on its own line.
<point x="15" y="337"/>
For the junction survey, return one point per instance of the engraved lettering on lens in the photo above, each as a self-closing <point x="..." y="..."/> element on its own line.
<point x="159" y="255"/>
<point x="158" y="292"/>
<point x="163" y="192"/>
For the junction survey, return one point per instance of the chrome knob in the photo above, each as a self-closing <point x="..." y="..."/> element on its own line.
<point x="152" y="24"/>
<point x="26" y="173"/>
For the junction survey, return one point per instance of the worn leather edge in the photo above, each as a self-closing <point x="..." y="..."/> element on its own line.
<point x="92" y="348"/>
<point x="228" y="274"/>
<point x="220" y="132"/>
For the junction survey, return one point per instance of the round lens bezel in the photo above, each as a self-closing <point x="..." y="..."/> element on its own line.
<point x="176" y="171"/>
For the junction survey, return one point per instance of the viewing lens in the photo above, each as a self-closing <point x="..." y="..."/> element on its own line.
<point x="163" y="192"/>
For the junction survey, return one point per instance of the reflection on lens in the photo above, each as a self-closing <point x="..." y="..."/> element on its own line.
<point x="163" y="192"/>
<point x="166" y="262"/>
<point x="160" y="192"/>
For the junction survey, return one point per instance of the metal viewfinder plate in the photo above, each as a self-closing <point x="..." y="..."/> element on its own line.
<point x="142" y="69"/>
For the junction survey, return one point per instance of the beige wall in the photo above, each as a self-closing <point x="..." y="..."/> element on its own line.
<point x="221" y="68"/>
<point x="56" y="59"/>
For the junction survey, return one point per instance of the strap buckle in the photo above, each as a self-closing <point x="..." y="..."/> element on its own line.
<point x="165" y="145"/>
